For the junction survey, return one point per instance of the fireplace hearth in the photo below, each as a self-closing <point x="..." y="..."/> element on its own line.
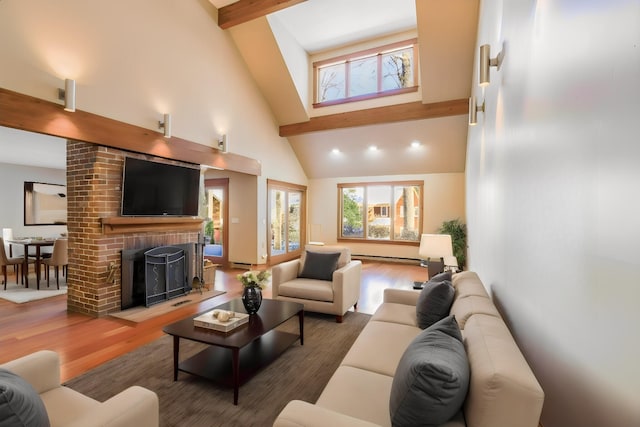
<point x="156" y="274"/>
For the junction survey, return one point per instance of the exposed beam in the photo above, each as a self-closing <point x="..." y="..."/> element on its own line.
<point x="25" y="112"/>
<point x="373" y="116"/>
<point x="246" y="10"/>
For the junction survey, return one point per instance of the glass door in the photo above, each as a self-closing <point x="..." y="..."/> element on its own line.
<point x="216" y="224"/>
<point x="287" y="221"/>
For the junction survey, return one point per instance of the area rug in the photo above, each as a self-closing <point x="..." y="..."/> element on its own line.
<point x="142" y="313"/>
<point x="301" y="372"/>
<point x="19" y="294"/>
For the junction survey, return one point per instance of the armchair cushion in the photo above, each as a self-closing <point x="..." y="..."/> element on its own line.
<point x="432" y="377"/>
<point x="434" y="302"/>
<point x="20" y="404"/>
<point x="320" y="265"/>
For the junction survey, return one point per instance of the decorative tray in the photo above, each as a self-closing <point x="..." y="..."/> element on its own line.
<point x="210" y="321"/>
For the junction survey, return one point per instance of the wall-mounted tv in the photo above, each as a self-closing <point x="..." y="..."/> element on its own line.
<point x="159" y="189"/>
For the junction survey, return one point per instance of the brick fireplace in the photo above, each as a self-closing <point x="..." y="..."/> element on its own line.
<point x="97" y="233"/>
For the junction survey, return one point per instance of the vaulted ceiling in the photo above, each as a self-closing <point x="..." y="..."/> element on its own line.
<point x="270" y="33"/>
<point x="446" y="32"/>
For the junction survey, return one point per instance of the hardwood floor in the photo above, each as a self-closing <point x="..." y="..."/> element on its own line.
<point x="85" y="342"/>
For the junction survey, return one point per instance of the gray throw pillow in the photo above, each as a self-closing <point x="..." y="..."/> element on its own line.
<point x="434" y="302"/>
<point x="20" y="404"/>
<point x="441" y="277"/>
<point x="432" y="378"/>
<point x="320" y="265"/>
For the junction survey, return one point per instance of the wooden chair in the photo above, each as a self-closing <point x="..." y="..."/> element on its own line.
<point x="22" y="267"/>
<point x="59" y="258"/>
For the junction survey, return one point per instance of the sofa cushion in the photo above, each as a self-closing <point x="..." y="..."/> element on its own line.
<point x="307" y="289"/>
<point x="464" y="308"/>
<point x="432" y="378"/>
<point x="20" y="404"/>
<point x="319" y="265"/>
<point x="434" y="302"/>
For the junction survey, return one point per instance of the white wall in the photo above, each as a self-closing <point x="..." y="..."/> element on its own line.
<point x="134" y="61"/>
<point x="443" y="201"/>
<point x="552" y="207"/>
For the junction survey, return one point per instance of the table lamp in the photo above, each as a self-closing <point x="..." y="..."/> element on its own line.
<point x="434" y="248"/>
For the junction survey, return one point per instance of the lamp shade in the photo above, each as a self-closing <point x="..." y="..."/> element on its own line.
<point x="435" y="246"/>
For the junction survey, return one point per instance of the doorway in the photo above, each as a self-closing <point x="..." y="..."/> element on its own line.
<point x="216" y="232"/>
<point x="287" y="219"/>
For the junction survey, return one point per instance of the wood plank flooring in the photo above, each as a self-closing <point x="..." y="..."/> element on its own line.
<point x="85" y="342"/>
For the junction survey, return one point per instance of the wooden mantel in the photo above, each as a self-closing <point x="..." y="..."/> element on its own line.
<point x="137" y="224"/>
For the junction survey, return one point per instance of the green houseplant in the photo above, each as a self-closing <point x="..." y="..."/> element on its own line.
<point x="458" y="232"/>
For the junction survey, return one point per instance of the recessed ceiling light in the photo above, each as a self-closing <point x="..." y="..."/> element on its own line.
<point x="415" y="144"/>
<point x="373" y="148"/>
<point x="335" y="151"/>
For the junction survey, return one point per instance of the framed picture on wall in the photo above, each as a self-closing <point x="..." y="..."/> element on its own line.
<point x="45" y="204"/>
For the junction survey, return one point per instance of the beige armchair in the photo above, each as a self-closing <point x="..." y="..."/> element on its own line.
<point x="135" y="406"/>
<point x="333" y="296"/>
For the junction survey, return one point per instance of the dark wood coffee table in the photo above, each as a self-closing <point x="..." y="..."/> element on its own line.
<point x="252" y="346"/>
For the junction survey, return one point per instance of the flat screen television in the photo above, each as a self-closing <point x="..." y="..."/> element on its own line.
<point x="159" y="189"/>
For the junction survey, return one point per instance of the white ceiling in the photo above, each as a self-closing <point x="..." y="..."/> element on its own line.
<point x="324" y="24"/>
<point x="32" y="149"/>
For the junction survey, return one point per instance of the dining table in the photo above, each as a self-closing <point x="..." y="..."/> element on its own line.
<point x="37" y="243"/>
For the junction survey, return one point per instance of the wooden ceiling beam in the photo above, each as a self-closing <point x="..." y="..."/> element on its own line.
<point x="32" y="114"/>
<point x="373" y="116"/>
<point x="246" y="10"/>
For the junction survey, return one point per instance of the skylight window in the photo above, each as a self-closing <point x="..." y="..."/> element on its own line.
<point x="387" y="70"/>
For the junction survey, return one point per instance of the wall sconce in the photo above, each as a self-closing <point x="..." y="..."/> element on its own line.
<point x="486" y="62"/>
<point x="222" y="143"/>
<point x="68" y="95"/>
<point x="166" y="125"/>
<point x="473" y="110"/>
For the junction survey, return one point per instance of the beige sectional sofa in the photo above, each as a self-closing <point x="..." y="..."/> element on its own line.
<point x="502" y="391"/>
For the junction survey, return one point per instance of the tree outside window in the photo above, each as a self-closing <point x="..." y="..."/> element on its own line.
<point x="387" y="70"/>
<point x="378" y="211"/>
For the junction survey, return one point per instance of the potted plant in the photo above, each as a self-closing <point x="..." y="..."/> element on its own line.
<point x="458" y="232"/>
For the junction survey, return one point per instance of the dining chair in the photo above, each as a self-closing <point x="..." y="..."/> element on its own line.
<point x="22" y="267"/>
<point x="59" y="258"/>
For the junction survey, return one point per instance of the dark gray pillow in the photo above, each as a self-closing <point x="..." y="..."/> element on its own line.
<point x="441" y="277"/>
<point x="432" y="378"/>
<point x="434" y="302"/>
<point x="320" y="265"/>
<point x="20" y="404"/>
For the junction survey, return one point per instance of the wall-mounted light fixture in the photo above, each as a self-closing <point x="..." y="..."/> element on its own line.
<point x="222" y="143"/>
<point x="166" y="125"/>
<point x="486" y="62"/>
<point x="473" y="110"/>
<point x="68" y="95"/>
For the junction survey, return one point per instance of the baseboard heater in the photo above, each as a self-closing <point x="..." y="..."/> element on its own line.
<point x="380" y="258"/>
<point x="241" y="265"/>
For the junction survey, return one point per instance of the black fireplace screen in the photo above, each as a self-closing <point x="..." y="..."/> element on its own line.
<point x="165" y="276"/>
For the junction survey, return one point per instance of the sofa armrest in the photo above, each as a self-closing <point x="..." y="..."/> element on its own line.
<point x="134" y="406"/>
<point x="283" y="272"/>
<point x="298" y="413"/>
<point x="401" y="296"/>
<point x="40" y="369"/>
<point x="346" y="284"/>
